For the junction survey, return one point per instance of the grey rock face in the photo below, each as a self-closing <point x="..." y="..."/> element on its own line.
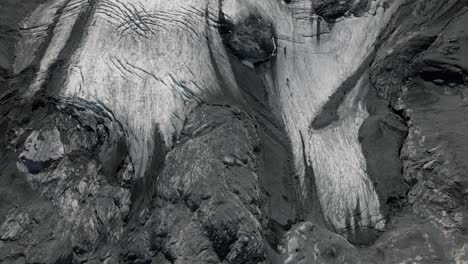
<point x="425" y="91"/>
<point x="330" y="10"/>
<point x="234" y="132"/>
<point x="41" y="149"/>
<point x="251" y="40"/>
<point x="218" y="190"/>
<point x="62" y="163"/>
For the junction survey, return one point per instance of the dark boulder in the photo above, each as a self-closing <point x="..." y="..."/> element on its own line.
<point x="251" y="40"/>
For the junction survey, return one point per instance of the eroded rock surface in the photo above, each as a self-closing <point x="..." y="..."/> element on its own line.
<point x="251" y="40"/>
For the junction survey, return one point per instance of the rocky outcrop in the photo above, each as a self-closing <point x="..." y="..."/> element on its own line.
<point x="251" y="40"/>
<point x="70" y="153"/>
<point x="209" y="208"/>
<point x="424" y="89"/>
<point x="331" y="10"/>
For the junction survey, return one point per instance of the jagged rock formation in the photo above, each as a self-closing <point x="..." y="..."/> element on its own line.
<point x="233" y="131"/>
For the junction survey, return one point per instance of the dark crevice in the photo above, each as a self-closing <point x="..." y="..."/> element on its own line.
<point x="275" y="234"/>
<point x="144" y="189"/>
<point x="442" y="75"/>
<point x="221" y="244"/>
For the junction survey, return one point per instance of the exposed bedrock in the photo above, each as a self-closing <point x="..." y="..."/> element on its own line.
<point x="330" y="10"/>
<point x="71" y="157"/>
<point x="206" y="210"/>
<point x="251" y="39"/>
<point x="235" y="131"/>
<point x="427" y="88"/>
